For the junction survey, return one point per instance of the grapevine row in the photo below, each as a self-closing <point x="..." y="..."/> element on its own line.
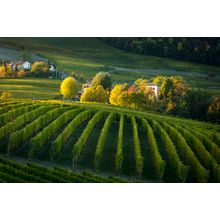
<point x="119" y="153"/>
<point x="21" y="136"/>
<point x="158" y="163"/>
<point x="38" y="141"/>
<point x="137" y="148"/>
<point x="78" y="147"/>
<point x="102" y="138"/>
<point x="203" y="155"/>
<point x="11" y="115"/>
<point x="179" y="168"/>
<point x="58" y="144"/>
<point x="22" y="120"/>
<point x="201" y="174"/>
<point x="7" y="108"/>
<point x="210" y="145"/>
<point x="11" y="171"/>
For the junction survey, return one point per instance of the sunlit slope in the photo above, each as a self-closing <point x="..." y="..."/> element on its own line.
<point x="111" y="140"/>
<point x="88" y="55"/>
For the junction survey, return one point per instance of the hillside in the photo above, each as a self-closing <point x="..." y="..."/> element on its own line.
<point x="107" y="140"/>
<point x="90" y="55"/>
<point x="31" y="88"/>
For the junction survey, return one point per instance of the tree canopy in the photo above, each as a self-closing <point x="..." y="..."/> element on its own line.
<point x="69" y="88"/>
<point x="103" y="79"/>
<point x="95" y="94"/>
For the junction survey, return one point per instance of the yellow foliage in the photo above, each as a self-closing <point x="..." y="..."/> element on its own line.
<point x="116" y="92"/>
<point x="21" y="73"/>
<point x="69" y="87"/>
<point x="2" y="71"/>
<point x="40" y="67"/>
<point x="92" y="94"/>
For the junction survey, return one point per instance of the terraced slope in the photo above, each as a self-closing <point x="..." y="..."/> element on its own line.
<point x="111" y="140"/>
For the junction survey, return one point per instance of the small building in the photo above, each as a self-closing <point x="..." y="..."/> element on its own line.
<point x="52" y="67"/>
<point x="20" y="65"/>
<point x="155" y="88"/>
<point x="23" y="65"/>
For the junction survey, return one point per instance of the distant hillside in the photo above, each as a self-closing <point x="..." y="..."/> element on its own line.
<point x="8" y="54"/>
<point x="87" y="56"/>
<point x="204" y="50"/>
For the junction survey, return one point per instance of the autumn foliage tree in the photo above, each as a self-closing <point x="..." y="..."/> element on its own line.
<point x="40" y="68"/>
<point x="95" y="94"/>
<point x="69" y="88"/>
<point x="103" y="79"/>
<point x="117" y="90"/>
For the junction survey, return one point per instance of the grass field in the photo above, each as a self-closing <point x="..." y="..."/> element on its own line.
<point x="31" y="88"/>
<point x="89" y="55"/>
<point x="109" y="141"/>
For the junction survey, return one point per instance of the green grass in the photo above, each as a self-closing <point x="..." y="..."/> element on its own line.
<point x="31" y="88"/>
<point x="89" y="55"/>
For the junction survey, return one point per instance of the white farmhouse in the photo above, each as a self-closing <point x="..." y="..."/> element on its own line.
<point x="52" y="68"/>
<point x="155" y="88"/>
<point x="23" y="65"/>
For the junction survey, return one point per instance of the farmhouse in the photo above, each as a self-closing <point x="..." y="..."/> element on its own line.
<point x="155" y="88"/>
<point x="52" y="68"/>
<point x="21" y="65"/>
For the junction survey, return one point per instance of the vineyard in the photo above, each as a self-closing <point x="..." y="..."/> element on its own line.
<point x="101" y="143"/>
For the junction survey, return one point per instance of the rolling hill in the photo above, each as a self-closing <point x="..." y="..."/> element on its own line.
<point x="90" y="55"/>
<point x="107" y="140"/>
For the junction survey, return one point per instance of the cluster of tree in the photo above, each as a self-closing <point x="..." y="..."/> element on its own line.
<point x="199" y="50"/>
<point x="37" y="69"/>
<point x="174" y="97"/>
<point x="40" y="68"/>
